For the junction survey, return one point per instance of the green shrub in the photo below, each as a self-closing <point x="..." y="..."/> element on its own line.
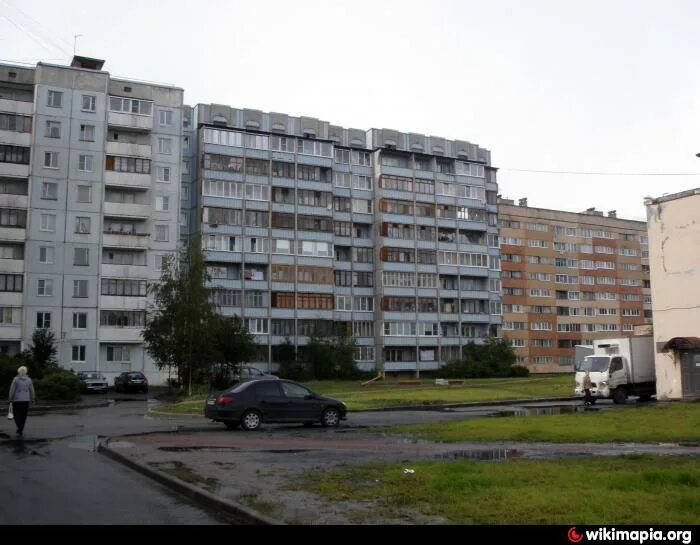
<point x="58" y="385"/>
<point x="519" y="371"/>
<point x="494" y="358"/>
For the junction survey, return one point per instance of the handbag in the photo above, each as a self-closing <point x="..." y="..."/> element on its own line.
<point x="10" y="414"/>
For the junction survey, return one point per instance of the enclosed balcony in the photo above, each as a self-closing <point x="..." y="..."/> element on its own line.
<point x="131" y="113"/>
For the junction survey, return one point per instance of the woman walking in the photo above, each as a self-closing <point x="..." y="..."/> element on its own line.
<point x="21" y="395"/>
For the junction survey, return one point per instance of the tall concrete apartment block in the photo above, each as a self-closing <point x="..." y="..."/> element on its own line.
<point x="89" y="204"/>
<point x="307" y="225"/>
<point x="568" y="279"/>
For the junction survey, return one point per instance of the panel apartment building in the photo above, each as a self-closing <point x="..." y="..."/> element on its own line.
<point x="569" y="278"/>
<point x="308" y="225"/>
<point x="89" y="202"/>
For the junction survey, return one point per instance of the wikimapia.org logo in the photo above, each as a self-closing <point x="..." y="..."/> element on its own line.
<point x="638" y="536"/>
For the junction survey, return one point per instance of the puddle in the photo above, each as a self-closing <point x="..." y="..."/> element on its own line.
<point x="497" y="454"/>
<point x="544" y="411"/>
<point x="199" y="449"/>
<point x="121" y="444"/>
<point x="88" y="443"/>
<point x="23" y="448"/>
<point x="290" y="451"/>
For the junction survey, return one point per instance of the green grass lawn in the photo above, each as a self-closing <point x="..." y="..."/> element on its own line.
<point x="616" y="490"/>
<point x="380" y="395"/>
<point x="676" y="422"/>
<point x="383" y="394"/>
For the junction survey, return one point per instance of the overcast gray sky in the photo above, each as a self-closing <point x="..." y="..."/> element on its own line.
<point x="594" y="86"/>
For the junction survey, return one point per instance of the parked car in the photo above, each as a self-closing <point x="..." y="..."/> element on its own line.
<point x="250" y="403"/>
<point x="231" y="374"/>
<point x="93" y="381"/>
<point x="134" y="381"/>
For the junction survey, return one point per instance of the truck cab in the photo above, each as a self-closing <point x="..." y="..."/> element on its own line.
<point x="607" y="374"/>
<point x="619" y="368"/>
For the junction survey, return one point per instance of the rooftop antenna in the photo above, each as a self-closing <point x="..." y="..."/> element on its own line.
<point x="75" y="42"/>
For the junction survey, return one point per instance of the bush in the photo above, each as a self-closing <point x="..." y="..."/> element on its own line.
<point x="519" y="371"/>
<point x="493" y="359"/>
<point x="58" y="385"/>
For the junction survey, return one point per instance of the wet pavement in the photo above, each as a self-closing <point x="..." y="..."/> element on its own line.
<point x="56" y="476"/>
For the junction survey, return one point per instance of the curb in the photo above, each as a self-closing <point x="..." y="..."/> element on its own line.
<point x="432" y="407"/>
<point x="428" y="407"/>
<point x="241" y="513"/>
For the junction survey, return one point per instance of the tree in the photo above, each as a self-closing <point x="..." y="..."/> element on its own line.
<point x="233" y="344"/>
<point x="331" y="356"/>
<point x="286" y="355"/>
<point x="494" y="358"/>
<point x="41" y="354"/>
<point x="183" y="330"/>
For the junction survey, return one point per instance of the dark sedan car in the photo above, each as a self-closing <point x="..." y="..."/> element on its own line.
<point x="134" y="381"/>
<point x="251" y="403"/>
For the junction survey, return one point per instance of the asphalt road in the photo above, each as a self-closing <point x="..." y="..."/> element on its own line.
<point x="54" y="476"/>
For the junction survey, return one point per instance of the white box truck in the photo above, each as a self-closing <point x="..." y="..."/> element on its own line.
<point x="619" y="368"/>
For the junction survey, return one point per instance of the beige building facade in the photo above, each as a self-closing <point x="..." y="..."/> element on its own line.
<point x="674" y="241"/>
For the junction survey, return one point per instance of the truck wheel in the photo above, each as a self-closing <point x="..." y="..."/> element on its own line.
<point x="620" y="396"/>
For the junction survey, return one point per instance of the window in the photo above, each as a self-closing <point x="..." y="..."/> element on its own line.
<point x="81" y="257"/>
<point x="123" y="287"/>
<point x="118" y="353"/>
<point x="165" y="146"/>
<point x="364" y="353"/>
<point x="88" y="103"/>
<point x="343" y="302"/>
<point x="130" y="106"/>
<point x="342" y="156"/>
<point x="86" y="163"/>
<point x="48" y="223"/>
<point x="46" y="254"/>
<point x="257" y="326"/>
<point x="361" y="206"/>
<point x="10" y="316"/>
<point x="53" y="129"/>
<point x="162" y="203"/>
<point x="128" y="164"/>
<point x="364" y="303"/>
<point x="15" y="122"/>
<point x="50" y="159"/>
<point x="43" y="320"/>
<point x="363" y="329"/>
<point x="165" y="118"/>
<point x="14" y="154"/>
<point x="80" y="320"/>
<point x="122" y="318"/>
<point x="161" y="233"/>
<point x="84" y="194"/>
<point x="82" y="225"/>
<point x="163" y="174"/>
<point x="80" y="288"/>
<point x="11" y="282"/>
<point x="282" y="170"/>
<point x="78" y="353"/>
<point x="49" y="191"/>
<point x="55" y="99"/>
<point x="44" y="288"/>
